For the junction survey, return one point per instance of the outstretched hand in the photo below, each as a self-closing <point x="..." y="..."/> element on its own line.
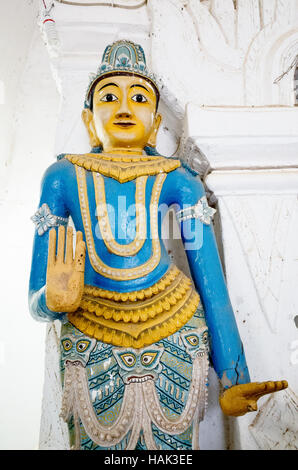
<point x="240" y="399"/>
<point x="65" y="273"/>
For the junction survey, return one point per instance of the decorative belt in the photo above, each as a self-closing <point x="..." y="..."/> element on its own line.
<point x="139" y="318"/>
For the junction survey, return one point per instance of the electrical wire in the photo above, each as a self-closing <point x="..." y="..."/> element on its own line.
<point x="104" y="4"/>
<point x="48" y="9"/>
<point x="293" y="64"/>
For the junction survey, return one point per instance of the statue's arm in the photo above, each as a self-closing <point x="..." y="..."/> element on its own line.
<point x="201" y="249"/>
<point x="52" y="212"/>
<point x="240" y="395"/>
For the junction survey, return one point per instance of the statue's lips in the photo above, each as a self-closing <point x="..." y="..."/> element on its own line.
<point x="139" y="378"/>
<point x="124" y="125"/>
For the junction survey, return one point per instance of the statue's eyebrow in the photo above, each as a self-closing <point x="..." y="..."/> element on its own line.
<point x="141" y="86"/>
<point x="108" y="84"/>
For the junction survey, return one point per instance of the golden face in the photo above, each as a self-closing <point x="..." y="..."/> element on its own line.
<point x="124" y="114"/>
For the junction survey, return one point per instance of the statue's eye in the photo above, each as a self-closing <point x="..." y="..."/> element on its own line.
<point x="67" y="344"/>
<point x="139" y="98"/>
<point x="109" y="97"/>
<point x="82" y="345"/>
<point x="148" y="358"/>
<point x="205" y="337"/>
<point x="128" y="359"/>
<point x="192" y="340"/>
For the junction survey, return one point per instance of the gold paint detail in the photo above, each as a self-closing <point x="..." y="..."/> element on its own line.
<point x="129" y="249"/>
<point x="242" y="398"/>
<point x="138" y="323"/>
<point x="134" y="311"/>
<point x="142" y="294"/>
<point x="98" y="265"/>
<point x="124" y="168"/>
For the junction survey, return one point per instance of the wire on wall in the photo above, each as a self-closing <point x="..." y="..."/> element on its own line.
<point x="293" y="64"/>
<point x="48" y="27"/>
<point x="104" y="4"/>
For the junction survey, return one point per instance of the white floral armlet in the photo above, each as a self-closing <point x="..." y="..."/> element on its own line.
<point x="200" y="210"/>
<point x="44" y="219"/>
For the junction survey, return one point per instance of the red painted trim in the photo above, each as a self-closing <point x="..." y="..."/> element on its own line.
<point x="49" y="19"/>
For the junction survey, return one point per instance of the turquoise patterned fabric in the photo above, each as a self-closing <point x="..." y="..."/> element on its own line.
<point x="106" y="386"/>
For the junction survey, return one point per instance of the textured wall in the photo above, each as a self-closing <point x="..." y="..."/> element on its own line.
<point x="28" y="120"/>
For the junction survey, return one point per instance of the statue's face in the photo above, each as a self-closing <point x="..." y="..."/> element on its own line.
<point x="124" y="112"/>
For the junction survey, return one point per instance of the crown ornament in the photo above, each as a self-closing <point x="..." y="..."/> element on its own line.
<point x="118" y="58"/>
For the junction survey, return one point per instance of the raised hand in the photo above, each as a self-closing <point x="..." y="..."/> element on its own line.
<point x="65" y="274"/>
<point x="240" y="399"/>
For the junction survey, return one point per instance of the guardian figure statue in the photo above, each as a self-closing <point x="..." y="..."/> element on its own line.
<point x="137" y="334"/>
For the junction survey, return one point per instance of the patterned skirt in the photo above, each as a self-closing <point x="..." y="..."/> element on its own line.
<point x="126" y="395"/>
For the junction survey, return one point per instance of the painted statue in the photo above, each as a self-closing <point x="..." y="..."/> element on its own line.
<point x="137" y="334"/>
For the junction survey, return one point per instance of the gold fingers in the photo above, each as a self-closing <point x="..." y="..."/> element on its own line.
<point x="61" y="244"/>
<point x="69" y="246"/>
<point x="271" y="387"/>
<point x="252" y="406"/>
<point x="80" y="253"/>
<point x="66" y="243"/>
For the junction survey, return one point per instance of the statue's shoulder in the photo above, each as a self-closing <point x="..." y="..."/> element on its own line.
<point x="57" y="172"/>
<point x="185" y="185"/>
<point x="185" y="172"/>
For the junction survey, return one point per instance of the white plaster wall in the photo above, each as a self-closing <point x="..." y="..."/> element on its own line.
<point x="28" y="118"/>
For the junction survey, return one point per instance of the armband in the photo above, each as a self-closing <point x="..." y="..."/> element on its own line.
<point x="200" y="210"/>
<point x="44" y="219"/>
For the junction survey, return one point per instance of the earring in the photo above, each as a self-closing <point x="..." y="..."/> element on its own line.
<point x="152" y="139"/>
<point x="93" y="138"/>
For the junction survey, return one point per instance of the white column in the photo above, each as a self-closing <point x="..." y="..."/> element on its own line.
<point x="253" y="157"/>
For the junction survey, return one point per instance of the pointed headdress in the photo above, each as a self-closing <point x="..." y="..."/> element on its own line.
<point x="121" y="58"/>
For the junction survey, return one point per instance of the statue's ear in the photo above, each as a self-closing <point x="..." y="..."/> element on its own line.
<point x="87" y="117"/>
<point x="153" y="136"/>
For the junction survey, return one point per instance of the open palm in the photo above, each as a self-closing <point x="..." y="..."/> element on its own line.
<point x="65" y="272"/>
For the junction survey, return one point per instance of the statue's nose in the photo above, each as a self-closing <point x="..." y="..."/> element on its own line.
<point x="123" y="114"/>
<point x="123" y="111"/>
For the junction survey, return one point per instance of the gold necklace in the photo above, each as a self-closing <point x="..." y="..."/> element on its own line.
<point x="124" y="168"/>
<point x="134" y="247"/>
<point x="97" y="264"/>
